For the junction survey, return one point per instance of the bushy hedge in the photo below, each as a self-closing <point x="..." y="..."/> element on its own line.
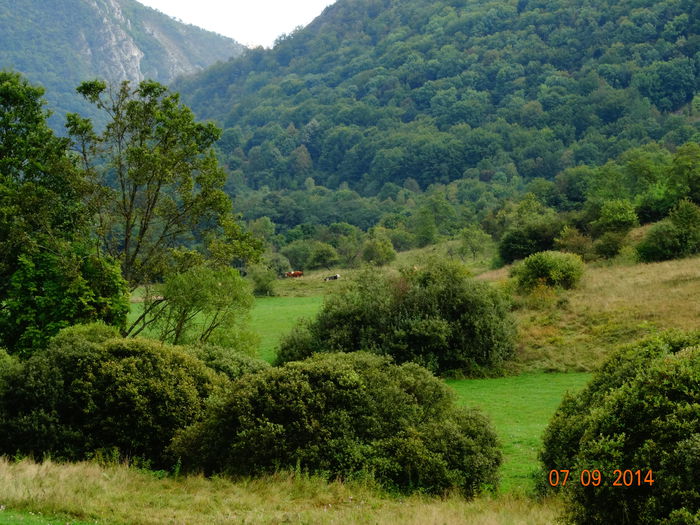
<point x="89" y="392"/>
<point x="346" y="415"/>
<point x="549" y="268"/>
<point x="640" y="411"/>
<point x="437" y="317"/>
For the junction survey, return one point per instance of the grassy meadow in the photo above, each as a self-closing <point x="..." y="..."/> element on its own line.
<point x="562" y="336"/>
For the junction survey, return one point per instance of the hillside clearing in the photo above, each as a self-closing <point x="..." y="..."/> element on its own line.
<point x="575" y="330"/>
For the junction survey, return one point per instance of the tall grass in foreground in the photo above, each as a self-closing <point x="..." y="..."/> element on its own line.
<point x="118" y="494"/>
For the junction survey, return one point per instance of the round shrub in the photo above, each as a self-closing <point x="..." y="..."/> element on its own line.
<point x="609" y="244"/>
<point x="640" y="411"/>
<point x="663" y="242"/>
<point x="549" y="268"/>
<point x="263" y="279"/>
<point x="346" y="416"/>
<point x="678" y="236"/>
<point x="378" y="251"/>
<point x="528" y="238"/>
<point x="616" y="216"/>
<point x="437" y="317"/>
<point x="84" y="395"/>
<point x="566" y="428"/>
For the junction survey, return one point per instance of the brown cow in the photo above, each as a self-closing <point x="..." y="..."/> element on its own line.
<point x="296" y="273"/>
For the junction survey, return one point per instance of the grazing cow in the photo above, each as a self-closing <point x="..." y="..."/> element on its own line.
<point x="332" y="277"/>
<point x="295" y="273"/>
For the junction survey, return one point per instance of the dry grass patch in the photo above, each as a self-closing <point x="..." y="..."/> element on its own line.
<point x="117" y="494"/>
<point x="575" y="330"/>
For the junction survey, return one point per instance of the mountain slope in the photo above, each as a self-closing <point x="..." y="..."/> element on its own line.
<point x="377" y="92"/>
<point x="59" y="43"/>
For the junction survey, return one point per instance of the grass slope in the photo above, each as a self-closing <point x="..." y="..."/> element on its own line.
<point x="575" y="330"/>
<point x="117" y="494"/>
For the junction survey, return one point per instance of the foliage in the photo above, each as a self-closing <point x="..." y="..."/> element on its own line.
<point x="571" y="240"/>
<point x="617" y="216"/>
<point x="199" y="304"/>
<point x="520" y="242"/>
<point x="87" y="394"/>
<point x="322" y="255"/>
<point x="263" y="279"/>
<point x="473" y="241"/>
<point x="160" y="185"/>
<point x="383" y="95"/>
<point x="346" y="415"/>
<point x="378" y="251"/>
<point x="40" y="40"/>
<point x="609" y="244"/>
<point x="278" y="263"/>
<point x="297" y="253"/>
<point x="677" y="236"/>
<point x="561" y="441"/>
<point x="227" y="361"/>
<point x="49" y="276"/>
<point x="550" y="268"/>
<point x="437" y="317"/>
<point x="662" y="242"/>
<point x="638" y="412"/>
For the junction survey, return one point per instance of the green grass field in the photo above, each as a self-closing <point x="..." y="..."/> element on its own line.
<point x="273" y="317"/>
<point x="569" y="331"/>
<point x="519" y="408"/>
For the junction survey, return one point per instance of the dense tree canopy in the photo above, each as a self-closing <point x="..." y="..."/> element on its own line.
<point x="50" y="277"/>
<point x="377" y="92"/>
<point x="159" y="201"/>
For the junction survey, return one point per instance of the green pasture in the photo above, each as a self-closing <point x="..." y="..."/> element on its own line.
<point x="274" y="317"/>
<point x="519" y="408"/>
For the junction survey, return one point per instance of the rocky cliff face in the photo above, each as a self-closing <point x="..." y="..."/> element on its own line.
<point x="128" y="31"/>
<point x="60" y="43"/>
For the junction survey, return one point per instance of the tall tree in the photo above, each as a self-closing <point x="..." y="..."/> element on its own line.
<point x="161" y="208"/>
<point x="50" y="277"/>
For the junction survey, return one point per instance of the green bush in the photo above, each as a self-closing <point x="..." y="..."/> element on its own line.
<point x="437" y="317"/>
<point x="677" y="236"/>
<point x="523" y="240"/>
<point x="378" y="251"/>
<point x="83" y="395"/>
<point x="346" y="415"/>
<point x="573" y="241"/>
<point x="616" y="216"/>
<point x="322" y="255"/>
<point x="263" y="279"/>
<point x="609" y="244"/>
<point x="548" y="268"/>
<point x="639" y="411"/>
<point x="662" y="242"/>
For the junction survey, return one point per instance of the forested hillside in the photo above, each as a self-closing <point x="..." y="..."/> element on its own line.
<point x="60" y="43"/>
<point x="387" y="93"/>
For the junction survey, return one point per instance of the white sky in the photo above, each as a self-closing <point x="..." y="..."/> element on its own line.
<point x="250" y="22"/>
